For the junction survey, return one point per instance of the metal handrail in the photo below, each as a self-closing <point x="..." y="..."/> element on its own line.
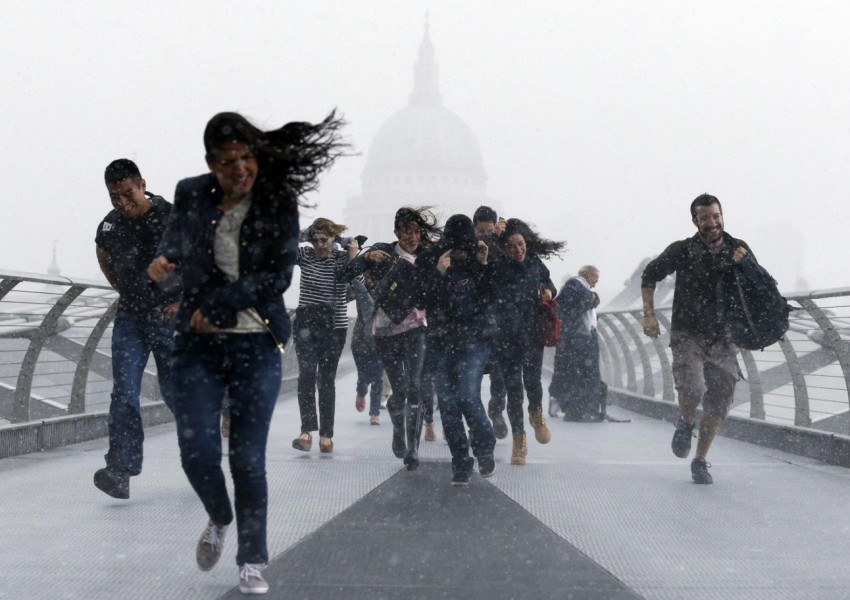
<point x="803" y="380"/>
<point x="55" y="349"/>
<point x="52" y="321"/>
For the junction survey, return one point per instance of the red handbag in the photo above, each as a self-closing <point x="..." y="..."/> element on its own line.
<point x="550" y="323"/>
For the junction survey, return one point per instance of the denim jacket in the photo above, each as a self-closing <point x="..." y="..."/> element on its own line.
<point x="268" y="241"/>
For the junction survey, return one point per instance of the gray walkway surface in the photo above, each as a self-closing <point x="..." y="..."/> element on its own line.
<point x="603" y="511"/>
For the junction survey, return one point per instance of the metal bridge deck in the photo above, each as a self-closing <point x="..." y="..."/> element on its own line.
<point x="603" y="511"/>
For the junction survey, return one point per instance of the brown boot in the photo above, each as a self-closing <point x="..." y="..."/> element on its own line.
<point x="430" y="434"/>
<point x="520" y="449"/>
<point x="541" y="431"/>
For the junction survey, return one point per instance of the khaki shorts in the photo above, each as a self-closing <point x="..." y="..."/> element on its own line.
<point x="704" y="371"/>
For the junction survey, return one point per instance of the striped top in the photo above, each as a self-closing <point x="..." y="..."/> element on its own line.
<point x="317" y="281"/>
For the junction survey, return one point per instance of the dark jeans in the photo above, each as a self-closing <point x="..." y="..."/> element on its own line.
<point x="370" y="371"/>
<point x="521" y="362"/>
<point x="134" y="338"/>
<point x="248" y="368"/>
<point x="403" y="357"/>
<point x="318" y="354"/>
<point x="576" y="381"/>
<point x="457" y="377"/>
<point x="427" y="391"/>
<point x="498" y="392"/>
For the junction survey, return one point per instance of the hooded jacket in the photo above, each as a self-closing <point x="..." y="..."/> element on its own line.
<point x="458" y="299"/>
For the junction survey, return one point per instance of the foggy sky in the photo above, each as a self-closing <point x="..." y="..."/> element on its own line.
<point x="598" y="121"/>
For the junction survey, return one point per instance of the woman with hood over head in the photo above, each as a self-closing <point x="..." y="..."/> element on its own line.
<point x="456" y="293"/>
<point x="521" y="281"/>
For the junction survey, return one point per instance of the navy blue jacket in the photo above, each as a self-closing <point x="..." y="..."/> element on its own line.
<point x="456" y="301"/>
<point x="517" y="296"/>
<point x="268" y="243"/>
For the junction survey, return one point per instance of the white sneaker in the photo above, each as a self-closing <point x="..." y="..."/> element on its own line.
<point x="209" y="546"/>
<point x="251" y="579"/>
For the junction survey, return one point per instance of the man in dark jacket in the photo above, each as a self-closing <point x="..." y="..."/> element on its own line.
<point x="705" y="365"/>
<point x="126" y="242"/>
<point x="488" y="228"/>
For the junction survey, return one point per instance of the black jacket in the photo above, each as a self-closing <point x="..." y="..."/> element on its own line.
<point x="516" y="293"/>
<point x="396" y="288"/>
<point x="131" y="243"/>
<point x="702" y="278"/>
<point x="268" y="243"/>
<point x="574" y="300"/>
<point x="456" y="301"/>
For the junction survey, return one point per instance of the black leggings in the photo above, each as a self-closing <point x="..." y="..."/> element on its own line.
<point x="403" y="356"/>
<point x="521" y="363"/>
<point x="318" y="354"/>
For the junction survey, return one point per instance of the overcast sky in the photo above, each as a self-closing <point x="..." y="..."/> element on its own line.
<point x="599" y="121"/>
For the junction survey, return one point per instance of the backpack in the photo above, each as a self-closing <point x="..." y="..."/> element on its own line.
<point x="550" y="323"/>
<point x="756" y="313"/>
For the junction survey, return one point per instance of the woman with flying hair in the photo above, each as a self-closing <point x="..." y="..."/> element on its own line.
<point x="520" y="282"/>
<point x="398" y="325"/>
<point x="233" y="238"/>
<point x="321" y="324"/>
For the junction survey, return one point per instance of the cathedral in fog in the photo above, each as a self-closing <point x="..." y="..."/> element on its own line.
<point x="423" y="155"/>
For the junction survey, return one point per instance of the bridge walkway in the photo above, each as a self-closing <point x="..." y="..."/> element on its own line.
<point x="603" y="511"/>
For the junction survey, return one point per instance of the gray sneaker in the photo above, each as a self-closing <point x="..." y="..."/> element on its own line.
<point x="209" y="546"/>
<point x="681" y="443"/>
<point x="251" y="579"/>
<point x="699" y="471"/>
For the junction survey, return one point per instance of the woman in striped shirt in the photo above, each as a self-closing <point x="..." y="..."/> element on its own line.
<point x="321" y="323"/>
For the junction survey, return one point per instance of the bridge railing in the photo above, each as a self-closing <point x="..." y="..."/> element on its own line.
<point x="802" y="381"/>
<point x="56" y="363"/>
<point x="54" y="347"/>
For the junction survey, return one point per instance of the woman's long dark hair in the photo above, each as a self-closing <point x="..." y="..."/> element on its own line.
<point x="292" y="156"/>
<point x="424" y="217"/>
<point x="534" y="244"/>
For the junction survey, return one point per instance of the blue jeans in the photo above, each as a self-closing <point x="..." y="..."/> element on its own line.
<point x="247" y="367"/>
<point x="133" y="340"/>
<point x="370" y="372"/>
<point x="457" y="374"/>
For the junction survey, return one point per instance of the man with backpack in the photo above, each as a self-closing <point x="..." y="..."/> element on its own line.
<point x="705" y="365"/>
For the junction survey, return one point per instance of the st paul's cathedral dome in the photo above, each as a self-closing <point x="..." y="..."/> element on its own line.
<point x="423" y="155"/>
